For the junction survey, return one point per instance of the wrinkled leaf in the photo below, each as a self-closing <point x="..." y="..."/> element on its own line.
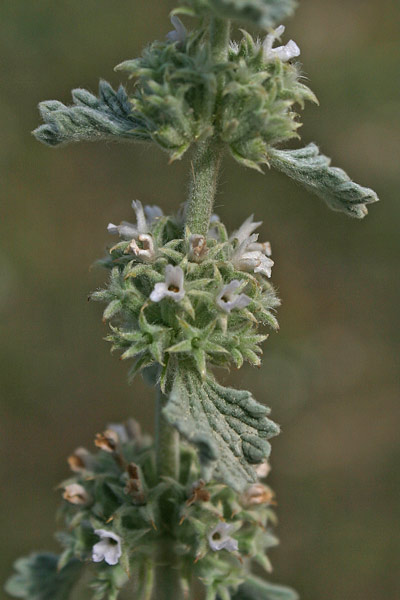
<point x="37" y="578"/>
<point x="264" y="13"/>
<point x="90" y="118"/>
<point x="312" y="169"/>
<point x="258" y="589"/>
<point x="228" y="427"/>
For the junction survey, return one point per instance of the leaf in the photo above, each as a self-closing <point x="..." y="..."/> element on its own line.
<point x="264" y="13"/>
<point x="90" y="118"/>
<point x="228" y="427"/>
<point x="312" y="169"/>
<point x="258" y="589"/>
<point x="38" y="578"/>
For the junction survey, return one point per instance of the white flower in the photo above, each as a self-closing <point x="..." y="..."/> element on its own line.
<point x="228" y="299"/>
<point x="219" y="538"/>
<point x="246" y="229"/>
<point x="213" y="231"/>
<point x="76" y="494"/>
<point x="234" y="47"/>
<point x="179" y="33"/>
<point x="172" y="287"/>
<point x="247" y="257"/>
<point x="263" y="469"/>
<point x="146" y="252"/>
<point x="127" y="230"/>
<point x="284" y="53"/>
<point x="108" y="549"/>
<point x="152" y="213"/>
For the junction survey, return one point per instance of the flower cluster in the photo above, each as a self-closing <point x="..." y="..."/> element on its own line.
<point x="175" y="297"/>
<point x="113" y="511"/>
<point x="261" y="86"/>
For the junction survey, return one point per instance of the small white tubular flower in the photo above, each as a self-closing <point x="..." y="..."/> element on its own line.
<point x="179" y="33"/>
<point x="246" y="229"/>
<point x="234" y="47"/>
<point x="213" y="231"/>
<point x="141" y="222"/>
<point x="228" y="299"/>
<point x="128" y="231"/>
<point x="108" y="549"/>
<point x="146" y="252"/>
<point x="263" y="469"/>
<point x="264" y="247"/>
<point x="284" y="53"/>
<point x="172" y="287"/>
<point x="152" y="213"/>
<point x="219" y="538"/>
<point x="247" y="259"/>
<point x="125" y="230"/>
<point x="76" y="494"/>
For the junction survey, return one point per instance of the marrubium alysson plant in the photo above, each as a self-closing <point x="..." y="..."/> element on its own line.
<point x="188" y="515"/>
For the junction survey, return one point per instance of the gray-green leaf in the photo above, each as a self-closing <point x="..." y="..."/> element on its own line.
<point x="90" y="118"/>
<point x="38" y="578"/>
<point x="312" y="169"/>
<point x="228" y="427"/>
<point x="255" y="588"/>
<point x="264" y="13"/>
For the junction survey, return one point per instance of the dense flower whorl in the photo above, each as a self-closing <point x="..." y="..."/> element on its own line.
<point x="118" y="531"/>
<point x="177" y="296"/>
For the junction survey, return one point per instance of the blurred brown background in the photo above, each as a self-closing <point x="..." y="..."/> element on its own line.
<point x="330" y="374"/>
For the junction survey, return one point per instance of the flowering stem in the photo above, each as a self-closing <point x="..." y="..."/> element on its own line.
<point x="207" y="160"/>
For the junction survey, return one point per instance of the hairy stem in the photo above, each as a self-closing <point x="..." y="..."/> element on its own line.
<point x="167" y="578"/>
<point x="167" y="442"/>
<point x="203" y="186"/>
<point x="207" y="159"/>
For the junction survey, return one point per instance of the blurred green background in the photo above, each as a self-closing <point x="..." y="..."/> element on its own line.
<point x="330" y="374"/>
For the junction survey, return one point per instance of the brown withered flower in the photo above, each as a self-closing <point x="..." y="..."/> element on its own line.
<point x="107" y="441"/>
<point x="197" y="247"/>
<point x="76" y="494"/>
<point x="258" y="494"/>
<point x="79" y="460"/>
<point x="134" y="486"/>
<point x="198" y="493"/>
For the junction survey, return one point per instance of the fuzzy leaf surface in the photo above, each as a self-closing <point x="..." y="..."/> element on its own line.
<point x="90" y="118"/>
<point x="256" y="588"/>
<point x="312" y="169"/>
<point x="229" y="427"/>
<point x="264" y="13"/>
<point x="38" y="578"/>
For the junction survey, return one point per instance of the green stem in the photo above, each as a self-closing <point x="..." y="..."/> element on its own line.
<point x="203" y="186"/>
<point x="167" y="577"/>
<point x="207" y="159"/>
<point x="219" y="39"/>
<point x="167" y="442"/>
